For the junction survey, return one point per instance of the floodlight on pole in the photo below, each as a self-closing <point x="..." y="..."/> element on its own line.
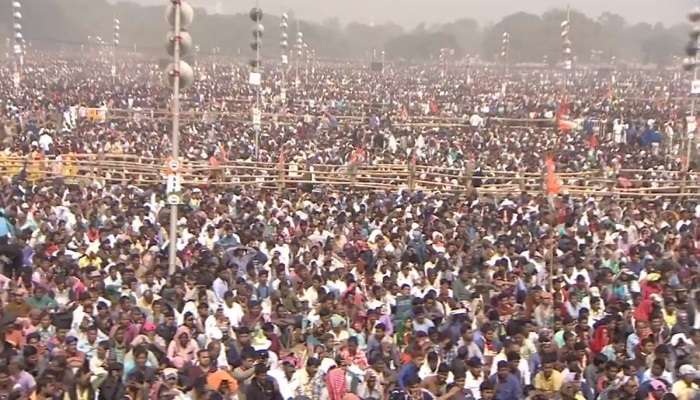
<point x="690" y="63"/>
<point x="18" y="47"/>
<point x="284" y="46"/>
<point x="180" y="76"/>
<point x="115" y="45"/>
<point x="255" y="80"/>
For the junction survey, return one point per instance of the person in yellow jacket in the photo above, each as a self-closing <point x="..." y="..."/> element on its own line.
<point x="36" y="166"/>
<point x="70" y="169"/>
<point x="9" y="164"/>
<point x="4" y="164"/>
<point x="686" y="388"/>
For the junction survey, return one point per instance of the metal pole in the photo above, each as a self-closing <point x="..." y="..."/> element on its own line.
<point x="115" y="43"/>
<point x="694" y="18"/>
<point x="690" y="135"/>
<point x="296" y="81"/>
<point x="257" y="93"/>
<point x="18" y="47"/>
<point x="172" y="258"/>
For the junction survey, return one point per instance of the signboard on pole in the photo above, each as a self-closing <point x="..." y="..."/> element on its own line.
<point x="173" y="184"/>
<point x="255" y="78"/>
<point x="695" y="87"/>
<point x="173" y="199"/>
<point x="174" y="165"/>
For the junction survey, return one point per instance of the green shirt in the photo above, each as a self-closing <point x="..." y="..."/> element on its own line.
<point x="42" y="303"/>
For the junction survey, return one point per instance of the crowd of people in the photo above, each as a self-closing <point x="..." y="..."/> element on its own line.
<point x="330" y="293"/>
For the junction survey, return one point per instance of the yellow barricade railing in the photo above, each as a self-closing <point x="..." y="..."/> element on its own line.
<point x="146" y="171"/>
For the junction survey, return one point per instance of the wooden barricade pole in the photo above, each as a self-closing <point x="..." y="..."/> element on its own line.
<point x="521" y="179"/>
<point x="281" y="168"/>
<point x="469" y="174"/>
<point x="411" y="176"/>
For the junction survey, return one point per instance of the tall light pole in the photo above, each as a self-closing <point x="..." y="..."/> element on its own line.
<point x="383" y="54"/>
<point x="115" y="45"/>
<point x="505" y="50"/>
<point x="299" y="47"/>
<point x="567" y="54"/>
<point x="180" y="76"/>
<point x="691" y="63"/>
<point x="19" y="41"/>
<point x="284" y="46"/>
<point x="443" y="62"/>
<point x="256" y="15"/>
<point x="307" y="60"/>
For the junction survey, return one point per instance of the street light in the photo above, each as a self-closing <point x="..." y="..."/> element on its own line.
<point x="115" y="43"/>
<point x="298" y="46"/>
<point x="19" y="41"/>
<point x="256" y="15"/>
<point x="505" y="48"/>
<point x="180" y="75"/>
<point x="691" y="64"/>
<point x="566" y="42"/>
<point x="284" y="46"/>
<point x="443" y="62"/>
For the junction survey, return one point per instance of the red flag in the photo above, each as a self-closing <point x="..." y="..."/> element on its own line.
<point x="357" y="156"/>
<point x="593" y="141"/>
<point x="552" y="181"/>
<point x="563" y="122"/>
<point x="434" y="106"/>
<point x="566" y="125"/>
<point x="564" y="110"/>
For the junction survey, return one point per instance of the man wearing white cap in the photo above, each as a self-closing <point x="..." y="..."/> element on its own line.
<point x="686" y="388"/>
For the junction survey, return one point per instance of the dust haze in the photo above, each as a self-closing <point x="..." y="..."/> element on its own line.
<point x="412" y="12"/>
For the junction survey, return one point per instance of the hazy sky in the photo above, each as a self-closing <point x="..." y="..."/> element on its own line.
<point x="411" y="12"/>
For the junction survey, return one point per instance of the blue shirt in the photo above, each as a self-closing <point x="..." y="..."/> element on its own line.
<point x="509" y="389"/>
<point x="405" y="373"/>
<point x="6" y="228"/>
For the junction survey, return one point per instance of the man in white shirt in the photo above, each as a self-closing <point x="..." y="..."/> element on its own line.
<point x="474" y="377"/>
<point x="284" y="375"/>
<point x="220" y="285"/>
<point x="511" y="354"/>
<point x="45" y="141"/>
<point x="232" y="310"/>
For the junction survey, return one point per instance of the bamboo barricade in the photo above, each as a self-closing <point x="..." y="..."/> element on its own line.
<point x="85" y="169"/>
<point x="285" y="118"/>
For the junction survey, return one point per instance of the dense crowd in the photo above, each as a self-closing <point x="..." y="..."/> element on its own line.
<point x="318" y="292"/>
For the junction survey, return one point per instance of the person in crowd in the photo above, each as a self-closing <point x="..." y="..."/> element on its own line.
<point x="466" y="283"/>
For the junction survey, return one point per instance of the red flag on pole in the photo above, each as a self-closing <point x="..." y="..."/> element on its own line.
<point x="551" y="181"/>
<point x="563" y="122"/>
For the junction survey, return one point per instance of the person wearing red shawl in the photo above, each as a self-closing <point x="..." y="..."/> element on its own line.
<point x="601" y="338"/>
<point x="337" y="382"/>
<point x="559" y="290"/>
<point x="645" y="308"/>
<point x="651" y="285"/>
<point x="352" y="355"/>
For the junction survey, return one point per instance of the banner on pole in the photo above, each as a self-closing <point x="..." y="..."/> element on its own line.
<point x="695" y="87"/>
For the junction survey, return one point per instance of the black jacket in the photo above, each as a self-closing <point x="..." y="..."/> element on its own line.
<point x="263" y="390"/>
